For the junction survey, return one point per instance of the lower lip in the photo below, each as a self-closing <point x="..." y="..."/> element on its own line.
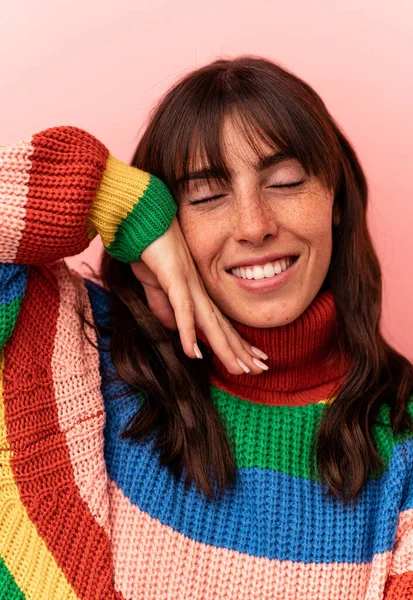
<point x="268" y="283"/>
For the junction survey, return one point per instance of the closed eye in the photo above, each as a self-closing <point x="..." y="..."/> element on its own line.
<point x="278" y="186"/>
<point x="201" y="200"/>
<point x="287" y="185"/>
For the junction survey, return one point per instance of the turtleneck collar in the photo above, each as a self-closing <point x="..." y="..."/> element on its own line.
<point x="305" y="363"/>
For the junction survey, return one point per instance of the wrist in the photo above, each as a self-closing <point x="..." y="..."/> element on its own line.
<point x="131" y="209"/>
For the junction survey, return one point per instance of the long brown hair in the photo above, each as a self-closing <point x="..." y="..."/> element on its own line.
<point x="277" y="107"/>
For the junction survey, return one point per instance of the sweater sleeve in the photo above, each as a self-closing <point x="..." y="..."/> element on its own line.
<point x="60" y="189"/>
<point x="399" y="584"/>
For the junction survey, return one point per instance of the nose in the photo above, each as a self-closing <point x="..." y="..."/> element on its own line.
<point x="254" y="223"/>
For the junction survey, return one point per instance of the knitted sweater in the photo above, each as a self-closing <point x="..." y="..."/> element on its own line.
<point x="87" y="515"/>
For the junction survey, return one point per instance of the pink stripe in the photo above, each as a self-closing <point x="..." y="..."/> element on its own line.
<point x="15" y="165"/>
<point x="75" y="367"/>
<point x="153" y="561"/>
<point x="403" y="545"/>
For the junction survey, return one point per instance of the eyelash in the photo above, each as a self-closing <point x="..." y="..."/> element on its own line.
<point x="282" y="185"/>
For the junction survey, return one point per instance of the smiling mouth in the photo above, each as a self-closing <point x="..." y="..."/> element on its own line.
<point x="264" y="271"/>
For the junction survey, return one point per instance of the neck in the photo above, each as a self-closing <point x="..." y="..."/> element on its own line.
<point x="305" y="362"/>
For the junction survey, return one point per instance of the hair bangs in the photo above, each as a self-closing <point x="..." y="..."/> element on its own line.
<point x="267" y="123"/>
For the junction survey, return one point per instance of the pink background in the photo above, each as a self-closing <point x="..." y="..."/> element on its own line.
<point x="101" y="64"/>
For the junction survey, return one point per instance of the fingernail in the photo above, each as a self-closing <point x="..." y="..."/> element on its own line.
<point x="243" y="365"/>
<point x="197" y="351"/>
<point x="259" y="353"/>
<point x="260" y="364"/>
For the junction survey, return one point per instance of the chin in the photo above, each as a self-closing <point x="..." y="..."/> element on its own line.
<point x="266" y="323"/>
<point x="271" y="317"/>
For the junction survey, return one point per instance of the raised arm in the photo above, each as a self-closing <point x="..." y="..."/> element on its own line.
<point x="62" y="187"/>
<point x="58" y="190"/>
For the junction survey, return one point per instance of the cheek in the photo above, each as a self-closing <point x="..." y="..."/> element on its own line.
<point x="316" y="230"/>
<point x="313" y="220"/>
<point x="203" y="236"/>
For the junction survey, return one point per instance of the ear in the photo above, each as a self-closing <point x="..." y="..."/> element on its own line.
<point x="336" y="215"/>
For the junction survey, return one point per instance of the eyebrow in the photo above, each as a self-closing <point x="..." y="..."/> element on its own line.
<point x="217" y="173"/>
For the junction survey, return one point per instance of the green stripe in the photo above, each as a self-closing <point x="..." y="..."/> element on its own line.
<point x="8" y="587"/>
<point x="8" y="318"/>
<point x="150" y="217"/>
<point x="281" y="437"/>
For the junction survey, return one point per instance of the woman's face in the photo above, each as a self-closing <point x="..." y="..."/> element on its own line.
<point x="252" y="222"/>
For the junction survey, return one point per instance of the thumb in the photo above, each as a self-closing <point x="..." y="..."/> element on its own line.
<point x="159" y="305"/>
<point x="157" y="299"/>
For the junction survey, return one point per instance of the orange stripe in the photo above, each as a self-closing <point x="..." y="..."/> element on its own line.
<point x="67" y="168"/>
<point x="399" y="587"/>
<point x="24" y="553"/>
<point x="41" y="461"/>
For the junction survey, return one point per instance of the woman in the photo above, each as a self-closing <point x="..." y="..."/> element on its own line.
<point x="279" y="466"/>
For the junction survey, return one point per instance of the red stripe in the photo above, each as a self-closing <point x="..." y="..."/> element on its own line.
<point x="399" y="587"/>
<point x="67" y="168"/>
<point x="40" y="458"/>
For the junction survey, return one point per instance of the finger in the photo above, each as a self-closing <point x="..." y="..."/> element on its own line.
<point x="241" y="347"/>
<point x="252" y="350"/>
<point x="206" y="318"/>
<point x="183" y="307"/>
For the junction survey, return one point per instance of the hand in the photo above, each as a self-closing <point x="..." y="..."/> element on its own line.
<point x="177" y="297"/>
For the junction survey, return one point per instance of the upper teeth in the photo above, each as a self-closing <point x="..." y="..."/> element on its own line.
<point x="261" y="271"/>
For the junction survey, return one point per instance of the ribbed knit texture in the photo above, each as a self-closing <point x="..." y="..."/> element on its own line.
<point x="129" y="211"/>
<point x="304" y="359"/>
<point x="87" y="515"/>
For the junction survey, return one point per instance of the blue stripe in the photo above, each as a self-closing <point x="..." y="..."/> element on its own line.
<point x="407" y="498"/>
<point x="13" y="280"/>
<point x="267" y="514"/>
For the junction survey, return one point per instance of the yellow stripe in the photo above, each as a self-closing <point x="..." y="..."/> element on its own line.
<point x="32" y="566"/>
<point x="328" y="401"/>
<point x="121" y="188"/>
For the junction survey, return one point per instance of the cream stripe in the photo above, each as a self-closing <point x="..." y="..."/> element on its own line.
<point x="76" y="379"/>
<point x="153" y="561"/>
<point x="24" y="552"/>
<point x="15" y="165"/>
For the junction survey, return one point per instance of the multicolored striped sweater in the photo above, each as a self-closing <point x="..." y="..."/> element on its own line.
<point x="87" y="515"/>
